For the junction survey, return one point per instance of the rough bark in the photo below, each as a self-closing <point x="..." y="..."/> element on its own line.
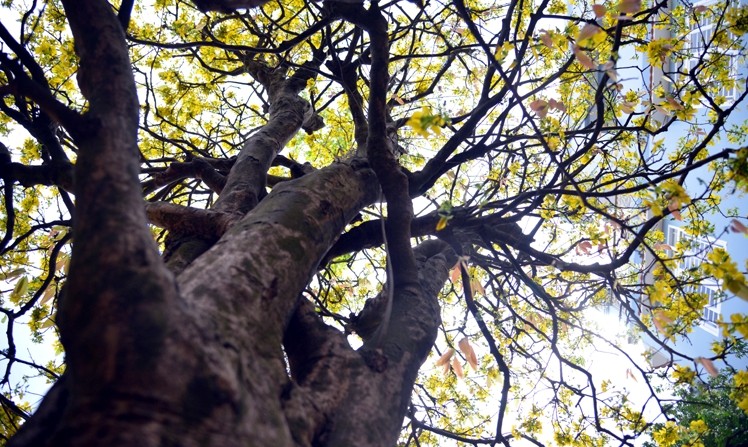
<point x="361" y="397"/>
<point x="197" y="358"/>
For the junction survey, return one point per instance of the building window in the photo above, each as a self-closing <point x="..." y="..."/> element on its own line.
<point x="712" y="310"/>
<point x="705" y="54"/>
<point x="693" y="257"/>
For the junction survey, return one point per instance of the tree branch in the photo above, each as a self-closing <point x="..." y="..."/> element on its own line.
<point x="188" y="221"/>
<point x="198" y="168"/>
<point x="22" y="84"/>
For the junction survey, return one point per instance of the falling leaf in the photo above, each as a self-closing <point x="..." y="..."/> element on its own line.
<point x="699" y="9"/>
<point x="62" y="264"/>
<point x="658" y="324"/>
<point x="468" y="352"/>
<point x="661" y="321"/>
<point x="738" y="227"/>
<point x="48" y="294"/>
<point x="661" y="246"/>
<point x="444" y="359"/>
<point x="445" y="368"/>
<point x="627" y="107"/>
<point x="558" y="105"/>
<point x="599" y="10"/>
<point x="533" y="319"/>
<point x="442" y="223"/>
<point x="48" y="323"/>
<point x="540" y="107"/>
<point x="585" y="247"/>
<point x="708" y="366"/>
<point x="22" y="286"/>
<point x="612" y="74"/>
<point x="739" y="289"/>
<point x="630" y="374"/>
<point x="661" y="109"/>
<point x="584" y="59"/>
<point x="675" y="104"/>
<point x="455" y="273"/>
<point x="629" y="6"/>
<point x="503" y="51"/>
<point x="12" y="274"/>
<point x="588" y="31"/>
<point x="476" y="287"/>
<point x="546" y="38"/>
<point x="457" y="367"/>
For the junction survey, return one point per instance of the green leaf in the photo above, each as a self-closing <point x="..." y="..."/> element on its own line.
<point x="22" y="286"/>
<point x="12" y="274"/>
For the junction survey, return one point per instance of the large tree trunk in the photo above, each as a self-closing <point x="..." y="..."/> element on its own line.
<point x="221" y="349"/>
<point x="209" y="370"/>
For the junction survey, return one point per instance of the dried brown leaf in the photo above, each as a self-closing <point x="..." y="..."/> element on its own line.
<point x="738" y="227"/>
<point x="708" y="366"/>
<point x="540" y="107"/>
<point x="629" y="6"/>
<point x="546" y="38"/>
<point x="584" y="59"/>
<point x="457" y="367"/>
<point x="588" y="31"/>
<point x="444" y="359"/>
<point x="467" y="350"/>
<point x="455" y="273"/>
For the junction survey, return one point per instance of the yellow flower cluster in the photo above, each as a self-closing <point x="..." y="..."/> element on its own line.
<point x="667" y="435"/>
<point x="683" y="374"/>
<point x="738" y="20"/>
<point x="425" y="119"/>
<point x="722" y="267"/>
<point x="670" y="193"/>
<point x="738" y="169"/>
<point x="739" y="322"/>
<point x="658" y="50"/>
<point x="671" y="433"/>
<point x="676" y="195"/>
<point x="740" y="393"/>
<point x="698" y="426"/>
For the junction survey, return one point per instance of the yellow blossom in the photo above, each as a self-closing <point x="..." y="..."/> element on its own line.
<point x="740" y="393"/>
<point x="698" y="426"/>
<point x="424" y="120"/>
<point x="683" y="374"/>
<point x="667" y="435"/>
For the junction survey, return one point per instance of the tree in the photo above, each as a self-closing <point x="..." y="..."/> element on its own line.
<point x="220" y="260"/>
<point x="708" y="404"/>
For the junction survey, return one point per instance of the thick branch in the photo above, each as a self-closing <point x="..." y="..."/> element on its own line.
<point x="23" y="85"/>
<point x="316" y="355"/>
<point x="380" y="153"/>
<point x="186" y="220"/>
<point x="52" y="174"/>
<point x="245" y="184"/>
<point x="115" y="273"/>
<point x="198" y="168"/>
<point x="381" y="393"/>
<point x="248" y="285"/>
